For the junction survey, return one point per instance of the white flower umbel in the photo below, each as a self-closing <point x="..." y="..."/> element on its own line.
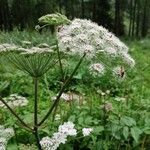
<point x="5" y="135"/>
<point x="87" y="131"/>
<point x="14" y="101"/>
<point x="97" y="69"/>
<point x="60" y="137"/>
<point x="84" y="36"/>
<point x="3" y="143"/>
<point x="35" y="60"/>
<point x="4" y="48"/>
<point x="69" y="96"/>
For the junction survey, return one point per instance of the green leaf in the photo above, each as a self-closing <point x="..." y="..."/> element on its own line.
<point x="81" y="121"/>
<point x="98" y="129"/>
<point x="4" y="85"/>
<point x="78" y="76"/>
<point x="135" y="132"/>
<point x="125" y="132"/>
<point x="128" y="121"/>
<point x="146" y="130"/>
<point x="72" y="118"/>
<point x="88" y="120"/>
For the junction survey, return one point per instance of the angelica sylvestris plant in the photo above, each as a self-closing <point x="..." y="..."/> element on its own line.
<point x="82" y="38"/>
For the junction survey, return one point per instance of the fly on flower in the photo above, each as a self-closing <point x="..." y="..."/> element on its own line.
<point x="119" y="71"/>
<point x="122" y="72"/>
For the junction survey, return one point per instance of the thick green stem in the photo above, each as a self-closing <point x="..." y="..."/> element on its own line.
<point x="60" y="63"/>
<point x="61" y="91"/>
<point x="36" y="133"/>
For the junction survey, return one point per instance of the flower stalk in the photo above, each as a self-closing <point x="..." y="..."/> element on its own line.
<point x="61" y="91"/>
<point x="36" y="133"/>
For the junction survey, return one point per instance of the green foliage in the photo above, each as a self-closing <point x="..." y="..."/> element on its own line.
<point x="126" y="126"/>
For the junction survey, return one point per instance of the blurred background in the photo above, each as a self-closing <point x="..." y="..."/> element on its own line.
<point x="129" y="18"/>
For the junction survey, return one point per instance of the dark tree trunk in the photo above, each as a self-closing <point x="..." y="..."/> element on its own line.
<point x="131" y="16"/>
<point x="117" y="16"/>
<point x="94" y="10"/>
<point x="134" y="18"/>
<point x="82" y="9"/>
<point x="138" y="20"/>
<point x="5" y="16"/>
<point x="145" y="19"/>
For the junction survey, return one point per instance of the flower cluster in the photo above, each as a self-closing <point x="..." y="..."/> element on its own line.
<point x="108" y="107"/>
<point x="4" y="48"/>
<point x="120" y="99"/>
<point x="84" y="36"/>
<point x="26" y="43"/>
<point x="97" y="69"/>
<point x="3" y="143"/>
<point x="54" y="19"/>
<point x="5" y="135"/>
<point x="35" y="50"/>
<point x="87" y="131"/>
<point x="65" y="130"/>
<point x="69" y="97"/>
<point x="32" y="60"/>
<point x="103" y="93"/>
<point x="14" y="101"/>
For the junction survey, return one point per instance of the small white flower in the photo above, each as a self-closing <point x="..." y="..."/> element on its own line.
<point x="65" y="130"/>
<point x="5" y="135"/>
<point x="26" y="42"/>
<point x="43" y="45"/>
<point x="3" y="141"/>
<point x="60" y="137"/>
<point x="65" y="97"/>
<point x="108" y="106"/>
<point x="97" y="69"/>
<point x="120" y="99"/>
<point x="9" y="133"/>
<point x="14" y="101"/>
<point x="7" y="47"/>
<point x="87" y="131"/>
<point x="68" y="128"/>
<point x="57" y="117"/>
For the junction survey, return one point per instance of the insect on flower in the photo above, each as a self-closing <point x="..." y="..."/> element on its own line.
<point x="121" y="72"/>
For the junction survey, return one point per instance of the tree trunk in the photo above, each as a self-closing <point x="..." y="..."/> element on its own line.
<point x="145" y="20"/>
<point x="134" y="18"/>
<point x="131" y="14"/>
<point x="82" y="9"/>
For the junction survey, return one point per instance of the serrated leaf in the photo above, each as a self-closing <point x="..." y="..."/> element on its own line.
<point x="88" y="120"/>
<point x="98" y="129"/>
<point x="81" y="121"/>
<point x="4" y="85"/>
<point x="72" y="118"/>
<point x="135" y="132"/>
<point x="125" y="132"/>
<point x="146" y="130"/>
<point x="128" y="121"/>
